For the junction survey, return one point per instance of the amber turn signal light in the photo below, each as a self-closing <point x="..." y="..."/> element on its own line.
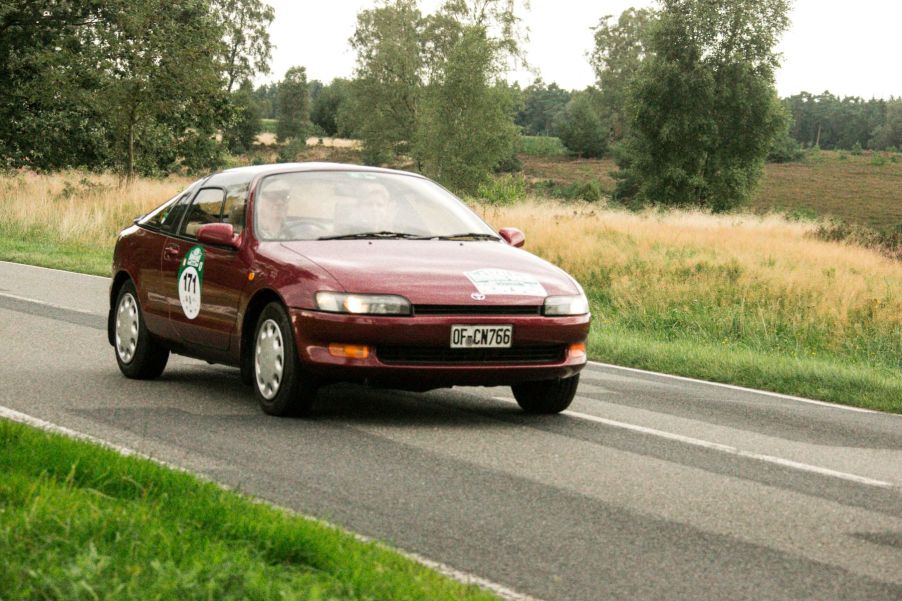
<point x="578" y="350"/>
<point x="349" y="351"/>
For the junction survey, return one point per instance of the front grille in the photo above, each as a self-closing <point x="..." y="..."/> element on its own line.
<point x="450" y="356"/>
<point x="477" y="310"/>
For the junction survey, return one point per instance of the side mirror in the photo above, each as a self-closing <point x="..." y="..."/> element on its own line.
<point x="217" y="233"/>
<point x="513" y="236"/>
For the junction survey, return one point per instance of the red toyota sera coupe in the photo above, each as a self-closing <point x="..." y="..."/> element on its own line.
<point x="305" y="274"/>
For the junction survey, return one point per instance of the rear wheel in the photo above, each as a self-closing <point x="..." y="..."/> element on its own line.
<point x="280" y="385"/>
<point x="546" y="396"/>
<point x="139" y="356"/>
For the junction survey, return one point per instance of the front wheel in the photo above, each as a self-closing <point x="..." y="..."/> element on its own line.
<point x="139" y="356"/>
<point x="546" y="397"/>
<point x="280" y="385"/>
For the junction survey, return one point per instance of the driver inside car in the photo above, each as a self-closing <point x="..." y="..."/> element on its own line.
<point x="272" y="210"/>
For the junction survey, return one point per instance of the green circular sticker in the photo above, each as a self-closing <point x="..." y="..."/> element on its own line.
<point x="190" y="281"/>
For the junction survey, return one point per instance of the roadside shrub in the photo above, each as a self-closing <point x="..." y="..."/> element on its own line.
<point x="856" y="149"/>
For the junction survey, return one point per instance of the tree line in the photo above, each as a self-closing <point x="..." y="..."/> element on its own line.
<point x="683" y="99"/>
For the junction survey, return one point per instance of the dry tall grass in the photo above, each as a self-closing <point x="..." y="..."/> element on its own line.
<point x="764" y="281"/>
<point x="79" y="208"/>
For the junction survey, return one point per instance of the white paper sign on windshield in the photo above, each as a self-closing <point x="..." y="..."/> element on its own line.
<point x="502" y="281"/>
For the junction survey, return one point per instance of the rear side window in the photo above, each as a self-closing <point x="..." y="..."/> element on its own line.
<point x="206" y="208"/>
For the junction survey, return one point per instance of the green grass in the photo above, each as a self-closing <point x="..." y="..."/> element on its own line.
<point x="833" y="379"/>
<point x="36" y="248"/>
<point x="268" y="126"/>
<point x="542" y="146"/>
<point x="78" y="521"/>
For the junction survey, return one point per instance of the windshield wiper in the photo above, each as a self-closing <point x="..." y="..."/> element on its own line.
<point x="374" y="235"/>
<point x="468" y="236"/>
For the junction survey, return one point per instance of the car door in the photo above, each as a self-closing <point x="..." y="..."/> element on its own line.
<point x="203" y="282"/>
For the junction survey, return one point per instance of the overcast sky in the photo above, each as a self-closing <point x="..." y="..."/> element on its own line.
<point x="849" y="47"/>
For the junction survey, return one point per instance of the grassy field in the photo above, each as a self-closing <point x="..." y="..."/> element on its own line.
<point x="751" y="300"/>
<point x="81" y="522"/>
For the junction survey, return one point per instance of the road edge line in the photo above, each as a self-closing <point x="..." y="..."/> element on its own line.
<point x="769" y="393"/>
<point x="90" y="275"/>
<point x="460" y="576"/>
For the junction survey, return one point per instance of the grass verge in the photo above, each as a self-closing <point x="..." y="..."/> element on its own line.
<point x="78" y="521"/>
<point x="36" y="248"/>
<point x="828" y="379"/>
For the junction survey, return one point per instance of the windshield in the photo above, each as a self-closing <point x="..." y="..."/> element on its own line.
<point x="324" y="205"/>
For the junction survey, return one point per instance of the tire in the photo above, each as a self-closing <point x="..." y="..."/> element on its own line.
<point x="138" y="354"/>
<point x="280" y="385"/>
<point x="546" y="397"/>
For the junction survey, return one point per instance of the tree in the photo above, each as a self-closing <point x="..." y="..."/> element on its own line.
<point x="619" y="51"/>
<point x="159" y="88"/>
<point x="242" y="129"/>
<point x="389" y="69"/>
<point x="328" y="104"/>
<point x="703" y="106"/>
<point x="246" y="47"/>
<point x="580" y="127"/>
<point x="465" y="125"/>
<point x="293" y="106"/>
<point x="889" y="133"/>
<point x="48" y="119"/>
<point x="465" y="121"/>
<point x="541" y="104"/>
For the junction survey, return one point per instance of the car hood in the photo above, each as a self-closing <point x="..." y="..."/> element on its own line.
<point x="438" y="271"/>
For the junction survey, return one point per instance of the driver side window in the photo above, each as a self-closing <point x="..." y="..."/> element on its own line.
<point x="207" y="208"/>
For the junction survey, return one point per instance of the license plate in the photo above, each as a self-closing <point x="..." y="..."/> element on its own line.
<point x="481" y="336"/>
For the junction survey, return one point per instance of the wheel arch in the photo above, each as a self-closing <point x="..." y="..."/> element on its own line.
<point x="255" y="306"/>
<point x="119" y="280"/>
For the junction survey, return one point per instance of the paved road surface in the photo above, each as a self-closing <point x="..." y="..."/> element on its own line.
<point x="650" y="487"/>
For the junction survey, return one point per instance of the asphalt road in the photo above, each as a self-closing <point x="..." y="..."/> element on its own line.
<point x="649" y="488"/>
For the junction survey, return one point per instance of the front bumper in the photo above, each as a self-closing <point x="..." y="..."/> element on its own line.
<point x="314" y="331"/>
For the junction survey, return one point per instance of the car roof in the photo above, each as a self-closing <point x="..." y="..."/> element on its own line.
<point x="246" y="174"/>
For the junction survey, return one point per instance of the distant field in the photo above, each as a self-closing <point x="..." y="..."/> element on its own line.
<point x="864" y="189"/>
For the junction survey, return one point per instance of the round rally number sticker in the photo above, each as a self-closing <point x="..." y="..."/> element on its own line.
<point x="191" y="280"/>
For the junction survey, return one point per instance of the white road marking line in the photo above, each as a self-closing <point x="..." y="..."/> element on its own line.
<point x="460" y="576"/>
<point x="48" y="304"/>
<point x="716" y="446"/>
<point x="87" y="275"/>
<point x="743" y="389"/>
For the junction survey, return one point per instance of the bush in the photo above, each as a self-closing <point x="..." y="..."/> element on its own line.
<point x="856" y="149"/>
<point x="511" y="164"/>
<point x="289" y="153"/>
<point x="784" y="149"/>
<point x="505" y="189"/>
<point x="581" y="128"/>
<point x="542" y="146"/>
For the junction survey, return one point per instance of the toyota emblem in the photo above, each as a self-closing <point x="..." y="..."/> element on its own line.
<point x="477" y="296"/>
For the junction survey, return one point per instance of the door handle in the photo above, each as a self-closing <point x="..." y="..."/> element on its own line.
<point x="171" y="251"/>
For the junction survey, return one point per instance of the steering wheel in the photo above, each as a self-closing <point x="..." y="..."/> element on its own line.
<point x="304" y="229"/>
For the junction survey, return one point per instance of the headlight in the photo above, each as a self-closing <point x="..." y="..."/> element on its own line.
<point x="362" y="304"/>
<point x="566" y="305"/>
